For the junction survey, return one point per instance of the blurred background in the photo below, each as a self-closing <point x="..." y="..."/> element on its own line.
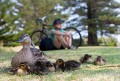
<point x="98" y="21"/>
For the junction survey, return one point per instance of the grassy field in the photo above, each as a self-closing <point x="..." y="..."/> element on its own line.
<point x="87" y="72"/>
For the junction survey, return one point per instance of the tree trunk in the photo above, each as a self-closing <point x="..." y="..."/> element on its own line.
<point x="92" y="35"/>
<point x="92" y="29"/>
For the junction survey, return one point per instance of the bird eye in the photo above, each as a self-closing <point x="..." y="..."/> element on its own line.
<point x="59" y="62"/>
<point x="26" y="35"/>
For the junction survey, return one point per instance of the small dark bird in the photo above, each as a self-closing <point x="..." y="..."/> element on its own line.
<point x="40" y="68"/>
<point x="99" y="61"/>
<point x="68" y="65"/>
<point x="86" y="59"/>
<point x="50" y="66"/>
<point x="22" y="69"/>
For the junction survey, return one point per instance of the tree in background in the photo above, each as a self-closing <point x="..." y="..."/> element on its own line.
<point x="33" y="9"/>
<point x="99" y="16"/>
<point x="19" y="17"/>
<point x="8" y="17"/>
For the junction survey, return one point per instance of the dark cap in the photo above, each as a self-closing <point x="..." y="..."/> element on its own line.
<point x="56" y="21"/>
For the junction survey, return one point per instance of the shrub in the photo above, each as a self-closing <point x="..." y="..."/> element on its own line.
<point x="84" y="41"/>
<point x="107" y="41"/>
<point x="11" y="44"/>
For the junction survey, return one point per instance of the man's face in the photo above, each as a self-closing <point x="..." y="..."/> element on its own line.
<point x="58" y="25"/>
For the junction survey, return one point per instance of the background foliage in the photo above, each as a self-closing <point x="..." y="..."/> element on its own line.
<point x="99" y="18"/>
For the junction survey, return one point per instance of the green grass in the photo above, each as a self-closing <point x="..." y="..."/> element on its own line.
<point x="87" y="72"/>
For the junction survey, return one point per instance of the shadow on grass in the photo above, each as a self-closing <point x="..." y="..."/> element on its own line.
<point x="4" y="70"/>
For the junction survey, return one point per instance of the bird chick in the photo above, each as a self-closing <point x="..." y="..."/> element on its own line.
<point x="23" y="69"/>
<point x="50" y="66"/>
<point x="99" y="61"/>
<point x="86" y="59"/>
<point x="40" y="68"/>
<point x="68" y="65"/>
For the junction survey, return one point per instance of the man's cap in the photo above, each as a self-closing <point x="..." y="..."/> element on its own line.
<point x="56" y="21"/>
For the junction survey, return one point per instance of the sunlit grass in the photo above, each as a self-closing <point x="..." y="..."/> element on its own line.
<point x="87" y="72"/>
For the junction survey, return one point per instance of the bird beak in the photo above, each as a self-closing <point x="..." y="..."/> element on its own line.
<point x="21" y="40"/>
